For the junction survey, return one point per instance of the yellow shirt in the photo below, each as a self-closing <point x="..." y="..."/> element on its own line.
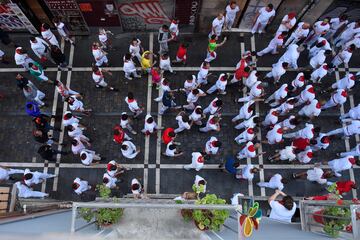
<point x="145" y="63"/>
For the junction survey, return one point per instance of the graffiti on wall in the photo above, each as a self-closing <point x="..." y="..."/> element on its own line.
<point x="142" y="15"/>
<point x="13" y="19"/>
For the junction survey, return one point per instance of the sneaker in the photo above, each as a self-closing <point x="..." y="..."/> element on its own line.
<point x="293" y="175"/>
<point x="114" y="89"/>
<point x="134" y="132"/>
<point x="129" y="78"/>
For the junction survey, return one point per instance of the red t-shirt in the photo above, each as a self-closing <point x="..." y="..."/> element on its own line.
<point x="181" y="52"/>
<point x="239" y="73"/>
<point x="344" y="186"/>
<point x="165" y="137"/>
<point x="119" y="138"/>
<point x="301" y="143"/>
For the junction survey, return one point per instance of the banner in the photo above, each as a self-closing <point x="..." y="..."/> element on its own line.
<point x="13" y="19"/>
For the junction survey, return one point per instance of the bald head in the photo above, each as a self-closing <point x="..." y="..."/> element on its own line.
<point x="305" y="26"/>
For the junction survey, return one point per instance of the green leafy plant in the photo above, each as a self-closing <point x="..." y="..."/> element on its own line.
<point x="333" y="226"/>
<point x="102" y="216"/>
<point x="198" y="189"/>
<point x="210" y="219"/>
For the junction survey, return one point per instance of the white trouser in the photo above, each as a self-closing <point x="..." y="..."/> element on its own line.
<point x="258" y="27"/>
<point x="129" y="73"/>
<point x="292" y="39"/>
<point x="229" y="22"/>
<point x="266" y="50"/>
<point x="292" y="135"/>
<point x="338" y="131"/>
<point x="43" y="77"/>
<point x="101" y="61"/>
<point x="340" y="41"/>
<point x="39" y="96"/>
<point x="264" y="184"/>
<point x="209" y="58"/>
<point x="179" y="129"/>
<point x="329" y="104"/>
<point x="205" y="129"/>
<point x="27" y="193"/>
<point x="352" y="152"/>
<point x="213" y="88"/>
<point x="190" y="166"/>
<point x="138" y="56"/>
<point x="190" y="106"/>
<point x="246" y="99"/>
<point x="237" y="117"/>
<point x="167" y="68"/>
<point x="312" y="39"/>
<point x="337" y="61"/>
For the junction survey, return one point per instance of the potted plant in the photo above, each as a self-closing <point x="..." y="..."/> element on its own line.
<point x="103" y="216"/>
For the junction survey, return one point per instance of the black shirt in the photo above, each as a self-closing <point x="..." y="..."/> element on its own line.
<point x="46" y="152"/>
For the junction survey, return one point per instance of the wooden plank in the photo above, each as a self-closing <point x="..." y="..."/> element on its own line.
<point x="4" y="189"/>
<point x="3" y="205"/>
<point x="4" y="197"/>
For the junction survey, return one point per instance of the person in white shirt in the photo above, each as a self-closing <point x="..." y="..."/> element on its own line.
<point x="33" y="178"/>
<point x="278" y="96"/>
<point x="249" y="123"/>
<point x="174" y="28"/>
<point x="311" y="110"/>
<point x="109" y="181"/>
<point x="342" y="164"/>
<point x="217" y="25"/>
<point x="346" y="83"/>
<point x="214" y="106"/>
<point x="25" y="191"/>
<point x="286" y="106"/>
<point x="48" y="36"/>
<point x="262" y="18"/>
<point x="315" y="175"/>
<point x="300" y="33"/>
<point x="291" y="55"/>
<point x="245" y="111"/>
<point x="128" y="150"/>
<point x="247" y="172"/>
<point x="230" y="14"/>
<point x="70" y="119"/>
<point x="319" y="59"/>
<point x="76" y="105"/>
<point x="287" y="23"/>
<point x="284" y="210"/>
<point x="89" y="157"/>
<point x="352" y="152"/>
<point x="298" y="82"/>
<point x="62" y="30"/>
<point x="203" y="74"/>
<point x="22" y="58"/>
<point x="212" y="124"/>
<point x="322" y="142"/>
<point x="200" y="181"/>
<point x="285" y="154"/>
<point x="183" y="121"/>
<point x="271" y="118"/>
<point x="256" y="92"/>
<point x="80" y="186"/>
<point x="135" y="49"/>
<point x="347" y="131"/>
<point x="220" y="85"/>
<point x="336" y="24"/>
<point x="136" y="188"/>
<point x="99" y="55"/>
<point x="319" y="73"/>
<point x="129" y="67"/>
<point x="99" y="79"/>
<point x="114" y="169"/>
<point x="41" y="48"/>
<point x="249" y="151"/>
<point x="6" y="172"/>
<point x="75" y="131"/>
<point x="212" y="146"/>
<point x="305" y="156"/>
<point x="278" y="70"/>
<point x="275" y="182"/>
<point x="133" y="105"/>
<point x="338" y="98"/>
<point x="247" y="135"/>
<point x="355" y="40"/>
<point x="77" y="145"/>
<point x="190" y="84"/>
<point x="275" y="135"/>
<point x="125" y="123"/>
<point x="306" y="95"/>
<point x="165" y="63"/>
<point x="353" y="114"/>
<point x="306" y="132"/>
<point x="104" y="38"/>
<point x="172" y="150"/>
<point x="251" y="79"/>
<point x="274" y="45"/>
<point x="319" y="29"/>
<point x="321" y="44"/>
<point x="197" y="162"/>
<point x="289" y="123"/>
<point x="150" y="125"/>
<point x="350" y="31"/>
<point x="196" y="116"/>
<point x="343" y="56"/>
<point x="192" y="98"/>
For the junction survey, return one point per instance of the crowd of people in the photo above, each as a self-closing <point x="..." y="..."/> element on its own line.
<point x="289" y="124"/>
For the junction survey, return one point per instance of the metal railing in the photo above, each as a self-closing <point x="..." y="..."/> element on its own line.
<point x="311" y="212"/>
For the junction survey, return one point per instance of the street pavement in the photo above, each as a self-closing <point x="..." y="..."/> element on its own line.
<point x="159" y="174"/>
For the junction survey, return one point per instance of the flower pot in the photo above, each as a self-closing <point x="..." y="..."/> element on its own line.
<point x="186" y="213"/>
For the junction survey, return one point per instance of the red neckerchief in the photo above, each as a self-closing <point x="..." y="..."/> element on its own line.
<point x="131" y="100"/>
<point x="200" y="159"/>
<point x="213" y="143"/>
<point x="212" y="121"/>
<point x="109" y="165"/>
<point x="43" y="29"/>
<point x="35" y="67"/>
